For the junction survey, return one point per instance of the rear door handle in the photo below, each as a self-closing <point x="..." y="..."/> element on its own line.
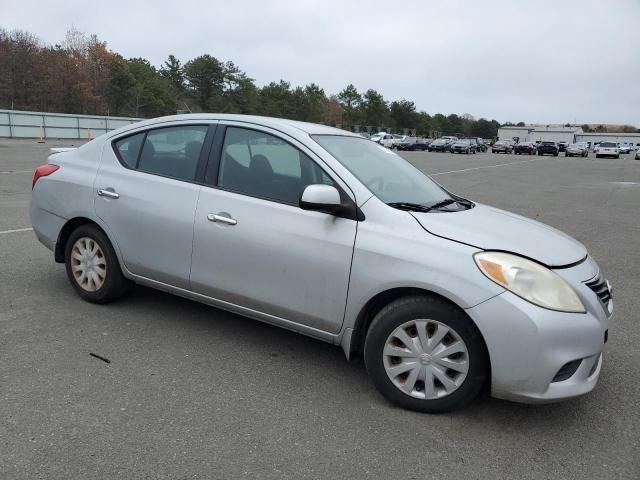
<point x="109" y="193"/>
<point x="222" y="218"/>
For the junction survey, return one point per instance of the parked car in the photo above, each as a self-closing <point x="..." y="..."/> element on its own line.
<point x="511" y="142"/>
<point x="278" y="220"/>
<point x="413" y="144"/>
<point x="562" y="146"/>
<point x="501" y="147"/>
<point x="384" y="139"/>
<point x="482" y="146"/>
<point x="548" y="148"/>
<point x="607" y="149"/>
<point x="464" y="146"/>
<point x="439" y="145"/>
<point x="528" y="148"/>
<point x="625" y="148"/>
<point x="398" y="139"/>
<point x="579" y="149"/>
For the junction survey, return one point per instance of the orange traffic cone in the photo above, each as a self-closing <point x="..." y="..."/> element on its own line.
<point x="89" y="136"/>
<point x="41" y="134"/>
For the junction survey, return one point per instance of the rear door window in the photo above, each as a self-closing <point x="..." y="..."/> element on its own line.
<point x="169" y="151"/>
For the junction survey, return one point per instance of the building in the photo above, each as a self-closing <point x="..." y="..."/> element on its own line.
<point x="536" y="133"/>
<point x="593" y="138"/>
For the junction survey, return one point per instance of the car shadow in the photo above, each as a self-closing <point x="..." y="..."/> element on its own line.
<point x="349" y="378"/>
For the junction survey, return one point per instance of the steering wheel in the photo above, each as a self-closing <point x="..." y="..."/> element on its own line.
<point x="376" y="180"/>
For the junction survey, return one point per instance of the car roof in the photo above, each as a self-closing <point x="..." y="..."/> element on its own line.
<point x="273" y="122"/>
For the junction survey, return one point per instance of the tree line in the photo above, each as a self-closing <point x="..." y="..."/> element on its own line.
<point x="82" y="76"/>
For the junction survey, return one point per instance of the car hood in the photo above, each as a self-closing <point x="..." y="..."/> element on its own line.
<point x="490" y="228"/>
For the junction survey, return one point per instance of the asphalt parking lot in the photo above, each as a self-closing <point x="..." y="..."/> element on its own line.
<point x="195" y="392"/>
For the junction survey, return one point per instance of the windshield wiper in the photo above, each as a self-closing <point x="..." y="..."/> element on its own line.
<point x="418" y="207"/>
<point x="443" y="203"/>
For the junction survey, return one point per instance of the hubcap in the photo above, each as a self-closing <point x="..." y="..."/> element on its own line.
<point x="426" y="359"/>
<point x="88" y="264"/>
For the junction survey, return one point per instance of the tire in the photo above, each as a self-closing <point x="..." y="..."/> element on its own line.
<point x="555" y="154"/>
<point x="467" y="152"/>
<point x="109" y="286"/>
<point x="617" y="156"/>
<point x="436" y="313"/>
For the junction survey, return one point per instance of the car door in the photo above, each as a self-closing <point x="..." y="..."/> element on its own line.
<point x="147" y="197"/>
<point x="254" y="247"/>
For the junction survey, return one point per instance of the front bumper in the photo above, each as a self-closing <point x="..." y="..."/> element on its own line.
<point x="528" y="345"/>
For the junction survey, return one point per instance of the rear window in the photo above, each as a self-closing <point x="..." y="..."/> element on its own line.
<point x="548" y="143"/>
<point x="608" y="144"/>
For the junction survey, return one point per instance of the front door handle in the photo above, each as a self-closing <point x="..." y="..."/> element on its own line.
<point x="222" y="217"/>
<point x="109" y="193"/>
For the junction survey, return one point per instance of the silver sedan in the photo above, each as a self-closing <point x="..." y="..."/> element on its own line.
<point x="321" y="231"/>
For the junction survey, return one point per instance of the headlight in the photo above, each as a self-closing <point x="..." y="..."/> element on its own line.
<point x="529" y="280"/>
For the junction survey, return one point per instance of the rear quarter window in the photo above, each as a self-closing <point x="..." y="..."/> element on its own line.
<point x="129" y="149"/>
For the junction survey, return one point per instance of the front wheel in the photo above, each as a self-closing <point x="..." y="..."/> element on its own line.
<point x="425" y="354"/>
<point x="92" y="266"/>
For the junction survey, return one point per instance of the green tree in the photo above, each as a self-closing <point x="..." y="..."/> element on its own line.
<point x="350" y="101"/>
<point x="173" y="73"/>
<point x="149" y="96"/>
<point x="403" y="115"/>
<point x="121" y="81"/>
<point x="204" y="76"/>
<point x="276" y="100"/>
<point x="375" y="110"/>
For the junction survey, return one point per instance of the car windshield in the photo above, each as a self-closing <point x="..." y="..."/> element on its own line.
<point x="548" y="143"/>
<point x="387" y="175"/>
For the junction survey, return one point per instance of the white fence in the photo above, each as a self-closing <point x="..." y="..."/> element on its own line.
<point x="21" y="124"/>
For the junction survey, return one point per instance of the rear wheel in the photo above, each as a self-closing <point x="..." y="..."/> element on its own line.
<point x="424" y="354"/>
<point x="92" y="266"/>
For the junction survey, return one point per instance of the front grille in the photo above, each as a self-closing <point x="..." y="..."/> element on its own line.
<point x="601" y="288"/>
<point x="567" y="371"/>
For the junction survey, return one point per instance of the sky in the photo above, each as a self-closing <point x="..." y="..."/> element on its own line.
<point x="537" y="61"/>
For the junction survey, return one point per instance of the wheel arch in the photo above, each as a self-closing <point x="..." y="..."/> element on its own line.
<point x="70" y="226"/>
<point x="355" y="346"/>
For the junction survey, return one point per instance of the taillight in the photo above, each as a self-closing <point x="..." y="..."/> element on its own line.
<point x="43" y="171"/>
